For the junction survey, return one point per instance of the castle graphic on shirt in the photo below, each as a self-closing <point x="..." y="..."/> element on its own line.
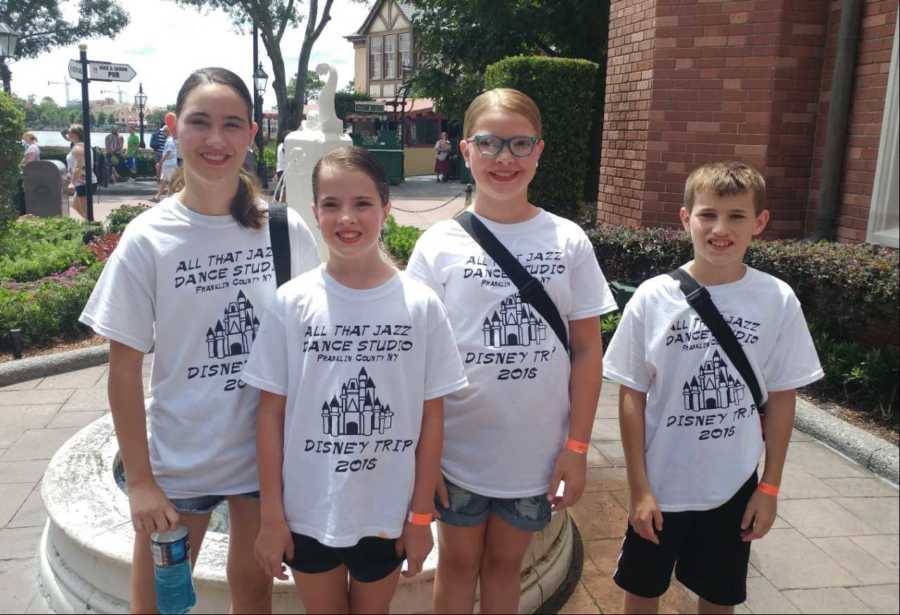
<point x="234" y="333"/>
<point x="514" y="323"/>
<point x="357" y="411"/>
<point x="714" y="388"/>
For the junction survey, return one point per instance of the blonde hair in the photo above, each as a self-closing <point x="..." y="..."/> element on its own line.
<point x="78" y="129"/>
<point x="29" y="136"/>
<point x="502" y="99"/>
<point x="726" y="179"/>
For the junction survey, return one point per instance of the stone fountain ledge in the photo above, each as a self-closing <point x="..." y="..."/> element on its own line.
<point x="85" y="550"/>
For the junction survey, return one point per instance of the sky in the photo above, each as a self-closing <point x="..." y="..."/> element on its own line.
<point x="164" y="42"/>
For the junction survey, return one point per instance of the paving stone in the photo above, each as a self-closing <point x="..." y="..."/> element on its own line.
<point x="599" y="515"/>
<point x="822" y="517"/>
<point x="19" y="543"/>
<point x="32" y="512"/>
<point x="38" y="444"/>
<point x="74" y="419"/>
<point x="791" y="561"/>
<point x="84" y="400"/>
<point x="22" y="471"/>
<point x="78" y="379"/>
<point x="883" y="514"/>
<point x="22" y="386"/>
<point x="604" y="554"/>
<point x="17" y="584"/>
<point x="880" y="598"/>
<point x="799" y="436"/>
<point x="33" y="398"/>
<point x="798" y="483"/>
<point x="886" y="549"/>
<point x="857" y="560"/>
<point x="38" y="605"/>
<point x="606" y="479"/>
<point x="826" y="600"/>
<point x="678" y="599"/>
<point x="763" y="597"/>
<point x="580" y="602"/>
<point x="861" y="487"/>
<point x="607" y="596"/>
<point x="606" y="429"/>
<point x="780" y="523"/>
<point x="16" y="421"/>
<point x="822" y="462"/>
<point x="12" y="495"/>
<point x="596" y="459"/>
<point x="612" y="451"/>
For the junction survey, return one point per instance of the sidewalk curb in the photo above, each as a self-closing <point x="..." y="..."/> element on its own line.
<point x="49" y="365"/>
<point x="873" y="453"/>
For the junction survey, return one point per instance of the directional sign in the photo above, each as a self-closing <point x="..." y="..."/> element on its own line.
<point x="102" y="71"/>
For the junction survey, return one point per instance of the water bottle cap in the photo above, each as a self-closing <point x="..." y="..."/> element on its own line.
<point x="171" y="536"/>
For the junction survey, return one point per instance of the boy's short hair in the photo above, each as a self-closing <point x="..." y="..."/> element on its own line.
<point x="726" y="179"/>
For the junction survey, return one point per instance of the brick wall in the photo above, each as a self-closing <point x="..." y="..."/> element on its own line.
<point x="866" y="111"/>
<point x="622" y="191"/>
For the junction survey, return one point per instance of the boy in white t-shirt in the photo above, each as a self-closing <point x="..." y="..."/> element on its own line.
<point x="690" y="428"/>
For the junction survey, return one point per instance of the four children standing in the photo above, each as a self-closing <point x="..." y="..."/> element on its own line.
<point x="375" y="408"/>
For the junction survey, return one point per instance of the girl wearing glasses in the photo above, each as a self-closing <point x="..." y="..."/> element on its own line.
<point x="523" y="425"/>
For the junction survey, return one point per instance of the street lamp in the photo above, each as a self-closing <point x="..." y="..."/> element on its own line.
<point x="140" y="99"/>
<point x="260" y="80"/>
<point x="8" y="40"/>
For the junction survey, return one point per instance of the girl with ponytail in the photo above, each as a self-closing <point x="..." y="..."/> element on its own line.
<point x="190" y="280"/>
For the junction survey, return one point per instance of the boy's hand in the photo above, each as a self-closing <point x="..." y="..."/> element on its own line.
<point x="570" y="467"/>
<point x="441" y="495"/>
<point x="645" y="516"/>
<point x="759" y="516"/>
<point x="414" y="544"/>
<point x="274" y="544"/>
<point x="151" y="510"/>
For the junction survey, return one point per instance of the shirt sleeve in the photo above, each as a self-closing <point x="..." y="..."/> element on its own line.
<point x="267" y="367"/>
<point x="443" y="366"/>
<point x="793" y="362"/>
<point x="625" y="360"/>
<point x="304" y="251"/>
<point x="122" y="306"/>
<point x="590" y="292"/>
<point x="419" y="268"/>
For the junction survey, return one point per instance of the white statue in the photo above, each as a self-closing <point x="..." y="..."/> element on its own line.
<point x="305" y="147"/>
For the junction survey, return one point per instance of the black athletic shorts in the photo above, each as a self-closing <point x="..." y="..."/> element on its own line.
<point x="704" y="548"/>
<point x="369" y="560"/>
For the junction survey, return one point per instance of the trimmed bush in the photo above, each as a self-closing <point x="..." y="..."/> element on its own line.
<point x="12" y="125"/>
<point x="31" y="248"/>
<point x="119" y="218"/>
<point x="399" y="240"/>
<point x="564" y="90"/>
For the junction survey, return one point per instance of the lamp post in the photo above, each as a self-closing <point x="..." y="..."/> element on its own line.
<point x="260" y="80"/>
<point x="140" y="99"/>
<point x="8" y="40"/>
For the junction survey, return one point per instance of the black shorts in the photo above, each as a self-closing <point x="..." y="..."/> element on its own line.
<point x="369" y="560"/>
<point x="82" y="191"/>
<point x="704" y="548"/>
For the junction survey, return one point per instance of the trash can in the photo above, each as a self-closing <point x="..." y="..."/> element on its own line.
<point x="44" y="188"/>
<point x="392" y="161"/>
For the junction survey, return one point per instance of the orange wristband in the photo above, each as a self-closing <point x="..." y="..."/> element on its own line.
<point x="768" y="489"/>
<point x="419" y="518"/>
<point x="577" y="447"/>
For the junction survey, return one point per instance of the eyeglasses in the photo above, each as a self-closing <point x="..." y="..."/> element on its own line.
<point x="490" y="146"/>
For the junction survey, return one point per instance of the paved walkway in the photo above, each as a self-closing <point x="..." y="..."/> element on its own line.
<point x="834" y="547"/>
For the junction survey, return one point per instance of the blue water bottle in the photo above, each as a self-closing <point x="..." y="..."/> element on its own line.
<point x="172" y="571"/>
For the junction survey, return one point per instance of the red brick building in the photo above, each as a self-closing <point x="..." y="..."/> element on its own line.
<point x="689" y="81"/>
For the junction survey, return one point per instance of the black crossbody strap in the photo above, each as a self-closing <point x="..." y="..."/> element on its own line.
<point x="530" y="288"/>
<point x="699" y="299"/>
<point x="281" y="243"/>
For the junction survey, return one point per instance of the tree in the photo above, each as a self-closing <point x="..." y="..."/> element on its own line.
<point x="314" y="85"/>
<point x="273" y="18"/>
<point x="42" y="24"/>
<point x="457" y="39"/>
<point x="12" y="124"/>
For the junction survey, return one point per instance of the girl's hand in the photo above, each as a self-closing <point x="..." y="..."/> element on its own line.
<point x="274" y="544"/>
<point x="570" y="467"/>
<point x="759" y="516"/>
<point x="441" y="495"/>
<point x="415" y="544"/>
<point x="151" y="510"/>
<point x="645" y="516"/>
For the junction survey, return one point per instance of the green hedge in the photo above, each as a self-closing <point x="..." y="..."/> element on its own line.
<point x="399" y="240"/>
<point x="12" y="125"/>
<point x="119" y="218"/>
<point x="31" y="248"/>
<point x="564" y="90"/>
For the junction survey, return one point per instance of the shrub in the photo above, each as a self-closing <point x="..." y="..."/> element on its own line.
<point x="12" y="125"/>
<point x="119" y="218"/>
<point x="564" y="90"/>
<point x="399" y="240"/>
<point x="31" y="248"/>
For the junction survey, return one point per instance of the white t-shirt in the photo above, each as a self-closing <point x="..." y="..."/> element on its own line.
<point x="170" y="148"/>
<point x="195" y="287"/>
<point x="279" y="158"/>
<point x="356" y="367"/>
<point x="702" y="431"/>
<point x="503" y="433"/>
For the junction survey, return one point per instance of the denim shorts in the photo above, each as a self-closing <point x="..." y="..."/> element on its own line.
<point x="202" y="504"/>
<point x="467" y="509"/>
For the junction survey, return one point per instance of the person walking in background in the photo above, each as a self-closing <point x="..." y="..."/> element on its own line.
<point x="442" y="157"/>
<point x="168" y="164"/>
<point x="76" y="169"/>
<point x="114" y="145"/>
<point x="32" y="151"/>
